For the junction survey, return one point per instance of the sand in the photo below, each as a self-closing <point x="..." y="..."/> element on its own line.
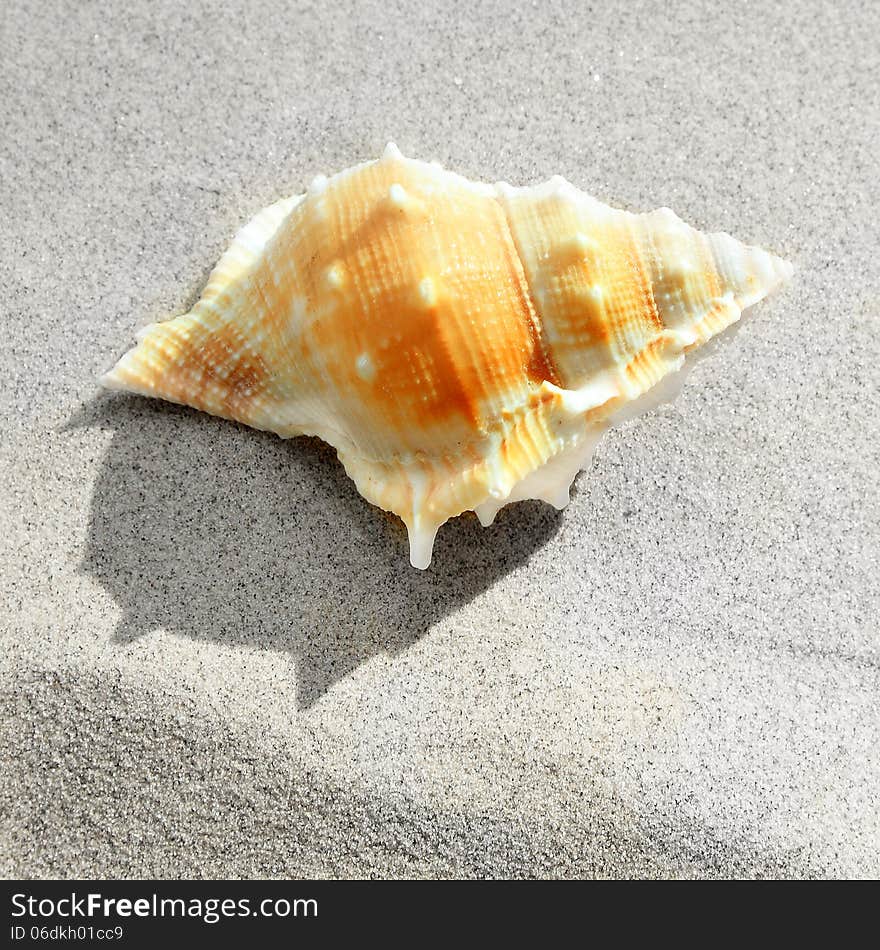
<point x="216" y="659"/>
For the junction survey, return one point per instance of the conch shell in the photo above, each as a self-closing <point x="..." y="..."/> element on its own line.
<point x="461" y="345"/>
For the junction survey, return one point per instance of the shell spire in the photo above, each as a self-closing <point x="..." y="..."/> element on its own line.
<point x="627" y="295"/>
<point x="461" y="345"/>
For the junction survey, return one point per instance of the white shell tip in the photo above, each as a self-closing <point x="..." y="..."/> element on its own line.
<point x="109" y="380"/>
<point x="784" y="268"/>
<point x="560" y="500"/>
<point x="421" y="545"/>
<point x="486" y="513"/>
<point x="365" y="367"/>
<point x="581" y="243"/>
<point x="334" y="276"/>
<point x="427" y="292"/>
<point x="397" y="195"/>
<point x="667" y="214"/>
<point x="318" y="185"/>
<point x="392" y="151"/>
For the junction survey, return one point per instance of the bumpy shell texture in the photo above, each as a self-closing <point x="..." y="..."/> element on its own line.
<point x="461" y="345"/>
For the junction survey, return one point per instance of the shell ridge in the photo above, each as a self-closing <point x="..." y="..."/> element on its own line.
<point x="539" y="336"/>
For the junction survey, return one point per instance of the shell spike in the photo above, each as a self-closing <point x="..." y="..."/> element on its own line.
<point x="421" y="543"/>
<point x="487" y="511"/>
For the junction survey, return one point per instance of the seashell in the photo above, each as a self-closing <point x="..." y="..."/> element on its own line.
<point x="461" y="345"/>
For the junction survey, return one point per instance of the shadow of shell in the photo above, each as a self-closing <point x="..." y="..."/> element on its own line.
<point x="210" y="530"/>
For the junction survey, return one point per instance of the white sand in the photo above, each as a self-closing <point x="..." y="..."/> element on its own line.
<point x="216" y="659"/>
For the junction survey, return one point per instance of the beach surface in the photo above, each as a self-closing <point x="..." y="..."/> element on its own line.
<point x="216" y="660"/>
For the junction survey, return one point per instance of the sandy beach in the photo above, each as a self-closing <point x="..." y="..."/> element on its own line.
<point x="216" y="659"/>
